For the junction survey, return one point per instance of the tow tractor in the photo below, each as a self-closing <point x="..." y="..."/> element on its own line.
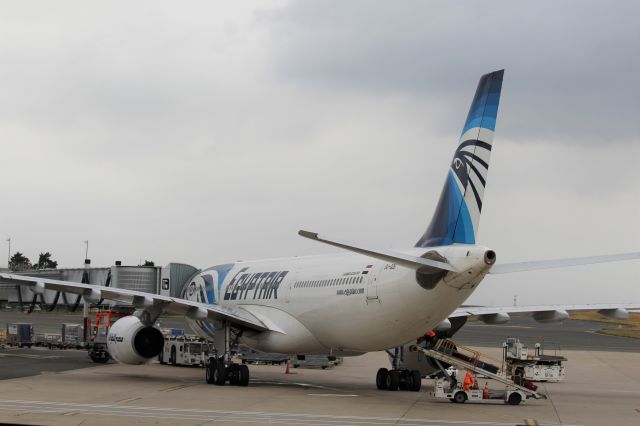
<point x="184" y="350"/>
<point x="537" y="367"/>
<point x="97" y="347"/>
<point x="448" y="352"/>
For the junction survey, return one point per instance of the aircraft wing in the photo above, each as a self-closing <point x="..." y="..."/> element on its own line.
<point x="498" y="315"/>
<point x="142" y="300"/>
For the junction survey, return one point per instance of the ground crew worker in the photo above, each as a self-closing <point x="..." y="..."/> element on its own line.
<point x="468" y="381"/>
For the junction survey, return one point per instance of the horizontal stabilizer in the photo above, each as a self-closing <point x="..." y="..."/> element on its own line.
<point x="561" y="263"/>
<point x="385" y="255"/>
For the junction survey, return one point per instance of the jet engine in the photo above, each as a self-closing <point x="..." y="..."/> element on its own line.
<point x="131" y="342"/>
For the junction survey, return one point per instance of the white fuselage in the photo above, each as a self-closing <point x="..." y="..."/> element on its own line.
<point x="341" y="304"/>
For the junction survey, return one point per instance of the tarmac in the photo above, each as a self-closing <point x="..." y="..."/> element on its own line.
<point x="601" y="388"/>
<point x="63" y="387"/>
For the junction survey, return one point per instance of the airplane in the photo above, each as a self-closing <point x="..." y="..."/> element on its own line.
<point x="363" y="299"/>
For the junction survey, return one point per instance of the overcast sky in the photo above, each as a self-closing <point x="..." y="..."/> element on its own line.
<point x="206" y="132"/>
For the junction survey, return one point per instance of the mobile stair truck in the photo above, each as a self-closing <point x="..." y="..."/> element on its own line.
<point x="447" y="352"/>
<point x="537" y="367"/>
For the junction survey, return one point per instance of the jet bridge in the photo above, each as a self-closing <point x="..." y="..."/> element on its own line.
<point x="446" y="351"/>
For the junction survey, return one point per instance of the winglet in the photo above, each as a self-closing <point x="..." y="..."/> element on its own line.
<point x="307" y="234"/>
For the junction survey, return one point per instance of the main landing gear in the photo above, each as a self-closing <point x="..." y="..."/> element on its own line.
<point x="220" y="369"/>
<point x="392" y="380"/>
<point x="218" y="372"/>
<point x="398" y="378"/>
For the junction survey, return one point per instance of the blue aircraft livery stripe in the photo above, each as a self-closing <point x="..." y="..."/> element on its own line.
<point x="223" y="271"/>
<point x="484" y="108"/>
<point x="457" y="214"/>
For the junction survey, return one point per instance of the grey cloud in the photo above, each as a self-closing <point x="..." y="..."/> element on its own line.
<point x="208" y="134"/>
<point x="568" y="64"/>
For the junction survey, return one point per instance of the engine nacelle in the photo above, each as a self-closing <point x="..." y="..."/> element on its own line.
<point x="551" y="316"/>
<point x="131" y="342"/>
<point x="615" y="313"/>
<point x="496" y="318"/>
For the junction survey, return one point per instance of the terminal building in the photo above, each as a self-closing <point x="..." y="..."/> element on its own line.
<point x="168" y="280"/>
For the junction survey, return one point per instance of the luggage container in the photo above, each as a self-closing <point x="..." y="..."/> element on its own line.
<point x="72" y="335"/>
<point x="20" y="334"/>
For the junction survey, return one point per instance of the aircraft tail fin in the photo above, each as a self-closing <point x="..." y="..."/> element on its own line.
<point x="457" y="214"/>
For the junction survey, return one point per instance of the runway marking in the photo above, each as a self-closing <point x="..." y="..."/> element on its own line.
<point x="227" y="416"/>
<point x="124" y="401"/>
<point x="175" y="388"/>
<point x="31" y="356"/>
<point x="331" y="394"/>
<point x="281" y="383"/>
<point x="70" y="413"/>
<point x="502" y="326"/>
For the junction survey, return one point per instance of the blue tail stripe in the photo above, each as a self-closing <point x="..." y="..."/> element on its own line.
<point x="455" y="221"/>
<point x="484" y="108"/>
<point x="453" y="224"/>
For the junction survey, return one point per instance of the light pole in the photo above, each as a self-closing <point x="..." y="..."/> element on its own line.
<point x="9" y="253"/>
<point x="86" y="249"/>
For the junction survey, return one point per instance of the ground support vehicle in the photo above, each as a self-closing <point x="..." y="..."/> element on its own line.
<point x="20" y="334"/>
<point x="457" y="393"/>
<point x="97" y="347"/>
<point x="448" y="352"/>
<point x="315" y="361"/>
<point x="186" y="350"/>
<point x="251" y="356"/>
<point x="537" y="367"/>
<point x="49" y="340"/>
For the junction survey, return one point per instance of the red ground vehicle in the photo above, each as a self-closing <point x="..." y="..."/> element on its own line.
<point x="99" y="331"/>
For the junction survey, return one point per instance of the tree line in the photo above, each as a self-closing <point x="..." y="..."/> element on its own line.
<point x="20" y="262"/>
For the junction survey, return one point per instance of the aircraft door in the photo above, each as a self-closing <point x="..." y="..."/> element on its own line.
<point x="373" y="271"/>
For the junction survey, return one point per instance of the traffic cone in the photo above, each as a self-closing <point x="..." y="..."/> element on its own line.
<point x="485" y="391"/>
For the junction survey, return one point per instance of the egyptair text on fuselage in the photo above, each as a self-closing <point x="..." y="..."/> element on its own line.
<point x="258" y="285"/>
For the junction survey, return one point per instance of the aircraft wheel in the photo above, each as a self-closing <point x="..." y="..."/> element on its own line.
<point x="514" y="399"/>
<point x="416" y="381"/>
<point x="393" y="380"/>
<point x="232" y="374"/>
<point x="460" y="397"/>
<point x="405" y="380"/>
<point x="381" y="378"/>
<point x="220" y="373"/>
<point x="243" y="375"/>
<point x="209" y="371"/>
